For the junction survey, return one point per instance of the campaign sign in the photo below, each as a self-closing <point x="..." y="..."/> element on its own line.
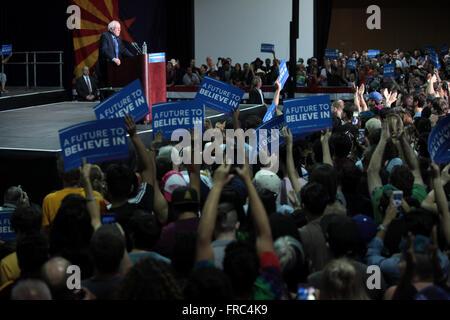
<point x="168" y="117"/>
<point x="388" y="70"/>
<point x="444" y="49"/>
<point x="266" y="47"/>
<point x="6" y="231"/>
<point x="130" y="100"/>
<point x="430" y="49"/>
<point x="270" y="113"/>
<point x="264" y="133"/>
<point x="373" y="53"/>
<point x="439" y="141"/>
<point x="219" y="95"/>
<point x="332" y="54"/>
<point x="307" y="115"/>
<point x="97" y="141"/>
<point x="157" y="57"/>
<point x="351" y="64"/>
<point x="434" y="58"/>
<point x="6" y="49"/>
<point x="283" y="73"/>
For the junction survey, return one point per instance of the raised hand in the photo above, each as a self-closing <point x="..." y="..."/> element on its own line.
<point x="130" y="125"/>
<point x="287" y="136"/>
<point x="222" y="175"/>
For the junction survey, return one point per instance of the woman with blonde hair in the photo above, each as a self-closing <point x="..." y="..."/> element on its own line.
<point x="342" y="281"/>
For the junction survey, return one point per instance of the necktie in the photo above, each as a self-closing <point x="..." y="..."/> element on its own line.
<point x="116" y="46"/>
<point x="88" y="82"/>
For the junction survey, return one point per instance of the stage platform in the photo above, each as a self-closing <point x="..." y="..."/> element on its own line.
<point x="29" y="144"/>
<point x="21" y="97"/>
<point x="35" y="129"/>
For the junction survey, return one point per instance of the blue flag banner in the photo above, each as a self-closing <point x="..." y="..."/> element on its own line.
<point x="130" y="100"/>
<point x="157" y="57"/>
<point x="439" y="141"/>
<point x="219" y="95"/>
<point x="351" y="64"/>
<point x="6" y="49"/>
<point x="373" y="53"/>
<point x="434" y="58"/>
<point x="270" y="113"/>
<point x="97" y="141"/>
<point x="264" y="133"/>
<point x="332" y="54"/>
<point x="307" y="115"/>
<point x="168" y="117"/>
<point x="283" y="73"/>
<point x="388" y="70"/>
<point x="6" y="231"/>
<point x="430" y="49"/>
<point x="444" y="49"/>
<point x="267" y="47"/>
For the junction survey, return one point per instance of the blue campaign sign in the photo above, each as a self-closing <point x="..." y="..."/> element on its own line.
<point x="6" y="231"/>
<point x="168" y="117"/>
<point x="332" y="54"/>
<point x="267" y="47"/>
<point x="388" y="70"/>
<point x="264" y="133"/>
<point x="351" y="64"/>
<point x="373" y="53"/>
<point x="430" y="49"/>
<point x="439" y="141"/>
<point x="219" y="95"/>
<point x="283" y="73"/>
<point x="270" y="113"/>
<point x="130" y="100"/>
<point x="434" y="58"/>
<point x="6" y="49"/>
<point x="444" y="49"/>
<point x="307" y="115"/>
<point x="97" y="141"/>
<point x="157" y="57"/>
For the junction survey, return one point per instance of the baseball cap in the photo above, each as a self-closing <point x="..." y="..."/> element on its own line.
<point x="366" y="226"/>
<point x="376" y="96"/>
<point x="172" y="181"/>
<point x="267" y="180"/>
<point x="184" y="195"/>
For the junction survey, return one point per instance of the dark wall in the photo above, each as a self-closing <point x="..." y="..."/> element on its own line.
<point x="404" y="24"/>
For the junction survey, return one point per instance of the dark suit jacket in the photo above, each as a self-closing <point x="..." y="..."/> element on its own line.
<point x="82" y="87"/>
<point x="106" y="53"/>
<point x="255" y="97"/>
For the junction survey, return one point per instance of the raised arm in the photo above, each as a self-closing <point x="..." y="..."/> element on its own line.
<point x="356" y="101"/>
<point x="236" y="113"/>
<point x="276" y="97"/>
<point x="363" y="103"/>
<point x="264" y="241"/>
<point x="373" y="172"/>
<point x="441" y="201"/>
<point x="324" y="140"/>
<point x="205" y="232"/>
<point x="91" y="201"/>
<point x="147" y="160"/>
<point x="411" y="159"/>
<point x="290" y="166"/>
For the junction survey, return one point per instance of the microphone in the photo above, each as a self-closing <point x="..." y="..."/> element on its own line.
<point x="135" y="45"/>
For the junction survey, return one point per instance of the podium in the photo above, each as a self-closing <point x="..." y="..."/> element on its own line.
<point x="149" y="68"/>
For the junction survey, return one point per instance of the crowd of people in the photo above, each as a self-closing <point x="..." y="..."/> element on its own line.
<point x="328" y="223"/>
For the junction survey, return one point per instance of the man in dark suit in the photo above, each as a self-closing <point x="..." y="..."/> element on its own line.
<point x="86" y="86"/>
<point x="111" y="48"/>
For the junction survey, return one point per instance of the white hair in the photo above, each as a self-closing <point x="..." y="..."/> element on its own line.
<point x="112" y="24"/>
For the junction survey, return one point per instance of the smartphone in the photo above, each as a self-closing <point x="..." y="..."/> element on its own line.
<point x="397" y="198"/>
<point x="355" y="120"/>
<point x="108" y="219"/>
<point x="361" y="136"/>
<point x="306" y="293"/>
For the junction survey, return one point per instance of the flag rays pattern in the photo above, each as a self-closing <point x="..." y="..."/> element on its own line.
<point x="95" y="17"/>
